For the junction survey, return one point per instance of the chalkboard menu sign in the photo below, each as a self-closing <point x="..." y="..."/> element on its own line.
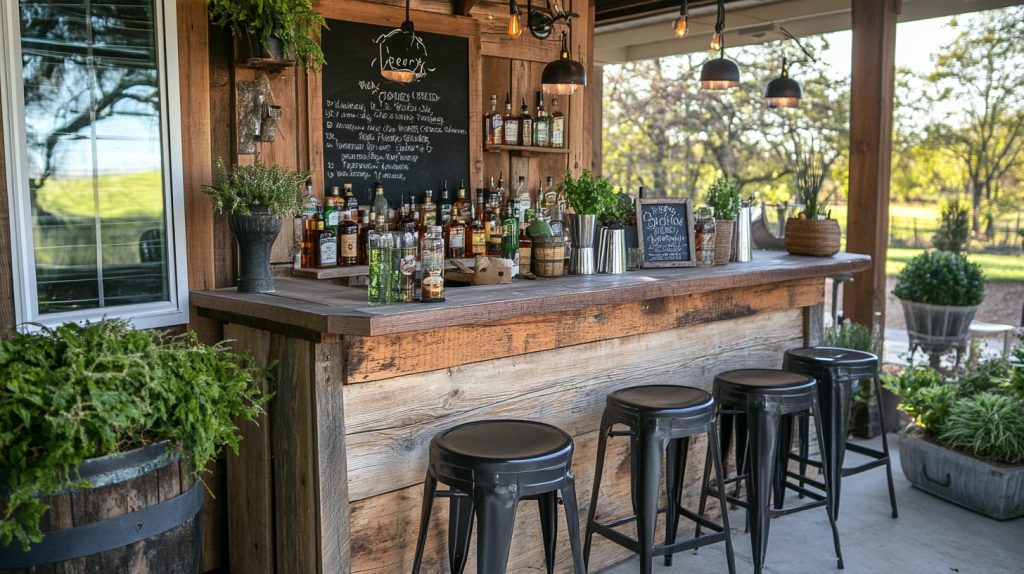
<point x="410" y="137"/>
<point x="665" y="227"/>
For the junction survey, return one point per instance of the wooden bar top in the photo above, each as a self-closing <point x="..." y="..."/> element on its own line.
<point x="323" y="307"/>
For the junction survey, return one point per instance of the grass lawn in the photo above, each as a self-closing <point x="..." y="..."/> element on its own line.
<point x="137" y="195"/>
<point x="996" y="267"/>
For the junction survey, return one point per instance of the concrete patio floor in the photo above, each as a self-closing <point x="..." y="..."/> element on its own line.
<point x="931" y="536"/>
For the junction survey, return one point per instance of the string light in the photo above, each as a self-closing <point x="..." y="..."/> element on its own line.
<point x="515" y="22"/>
<point x="682" y="24"/>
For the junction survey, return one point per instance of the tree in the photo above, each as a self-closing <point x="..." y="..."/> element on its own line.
<point x="979" y="82"/>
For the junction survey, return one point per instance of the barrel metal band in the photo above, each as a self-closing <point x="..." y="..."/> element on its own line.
<point x="103" y="535"/>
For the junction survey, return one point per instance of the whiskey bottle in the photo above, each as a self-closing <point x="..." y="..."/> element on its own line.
<point x="493" y="124"/>
<point x="326" y="246"/>
<point x="366" y="224"/>
<point x="351" y="202"/>
<point x="525" y="125"/>
<point x="444" y="205"/>
<point x="462" y="202"/>
<point x="525" y="251"/>
<point x="332" y="213"/>
<point x="493" y="226"/>
<point x="541" y="124"/>
<point x="557" y="125"/>
<point x="511" y="124"/>
<point x="348" y="242"/>
<point x="309" y="202"/>
<point x="428" y="212"/>
<point x="455" y="236"/>
<point x="540" y="208"/>
<point x="380" y="204"/>
<point x="476" y="240"/>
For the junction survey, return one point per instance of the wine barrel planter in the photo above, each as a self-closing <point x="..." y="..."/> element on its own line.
<point x="141" y="517"/>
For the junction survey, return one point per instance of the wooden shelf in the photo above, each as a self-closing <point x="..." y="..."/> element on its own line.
<point x="265" y="64"/>
<point x="525" y="150"/>
<point x="354" y="270"/>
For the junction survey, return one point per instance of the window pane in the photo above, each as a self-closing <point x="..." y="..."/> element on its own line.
<point x="93" y="125"/>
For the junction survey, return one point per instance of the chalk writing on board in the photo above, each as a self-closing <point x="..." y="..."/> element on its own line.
<point x="665" y="226"/>
<point x="416" y="65"/>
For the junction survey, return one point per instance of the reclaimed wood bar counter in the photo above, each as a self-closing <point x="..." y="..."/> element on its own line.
<point x="331" y="479"/>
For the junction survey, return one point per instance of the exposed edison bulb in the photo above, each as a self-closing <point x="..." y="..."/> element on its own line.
<point x="716" y="41"/>
<point x="681" y="27"/>
<point x="515" y="26"/>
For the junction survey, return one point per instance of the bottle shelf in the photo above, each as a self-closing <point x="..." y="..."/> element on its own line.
<point x="266" y="64"/>
<point x="354" y="270"/>
<point x="525" y="150"/>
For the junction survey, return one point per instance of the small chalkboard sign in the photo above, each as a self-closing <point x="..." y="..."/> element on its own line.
<point x="665" y="226"/>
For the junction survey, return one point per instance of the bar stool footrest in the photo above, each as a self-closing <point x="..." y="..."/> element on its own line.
<point x="865" y="467"/>
<point x="776" y="512"/>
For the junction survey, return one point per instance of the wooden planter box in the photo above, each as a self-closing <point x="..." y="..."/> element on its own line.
<point x="993" y="490"/>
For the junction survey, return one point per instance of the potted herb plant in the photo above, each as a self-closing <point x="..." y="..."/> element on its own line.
<point x="590" y="198"/>
<point x="967" y="441"/>
<point x="273" y="29"/>
<point x="813" y="232"/>
<point x="623" y="213"/>
<point x="255" y="197"/>
<point x="102" y="412"/>
<point x="723" y="196"/>
<point x="940" y="292"/>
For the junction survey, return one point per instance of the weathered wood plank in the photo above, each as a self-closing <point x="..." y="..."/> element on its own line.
<point x="374" y="358"/>
<point x="250" y="495"/>
<point x="387" y="438"/>
<point x="332" y="467"/>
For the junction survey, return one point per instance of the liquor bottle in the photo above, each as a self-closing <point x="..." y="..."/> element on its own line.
<point x="525" y="125"/>
<point x="493" y="226"/>
<point x="540" y="208"/>
<point x="499" y="193"/>
<point x="428" y="213"/>
<point x="525" y="251"/>
<point x="557" y="125"/>
<point x="309" y="202"/>
<point x="493" y="124"/>
<point x="405" y="254"/>
<point x="326" y="245"/>
<point x="510" y="235"/>
<point x="444" y="205"/>
<point x="380" y="245"/>
<point x="480" y="202"/>
<point x="462" y="202"/>
<point x="380" y="204"/>
<point x="348" y="242"/>
<point x="525" y="203"/>
<point x="411" y="221"/>
<point x="309" y="239"/>
<point x="541" y="124"/>
<point x="298" y="239"/>
<point x="351" y="202"/>
<point x="556" y="223"/>
<point x="476" y="240"/>
<point x="511" y="124"/>
<point x="366" y="225"/>
<point x="432" y="288"/>
<point x="332" y="213"/>
<point x="550" y="196"/>
<point x="455" y="237"/>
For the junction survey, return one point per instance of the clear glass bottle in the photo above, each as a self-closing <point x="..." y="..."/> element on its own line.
<point x="462" y="202"/>
<point x="332" y="212"/>
<point x="310" y="203"/>
<point x="380" y="247"/>
<point x="525" y="202"/>
<point x="455" y="236"/>
<point x="403" y="260"/>
<point x="432" y="287"/>
<point x="525" y="125"/>
<point x="541" y="124"/>
<point x="444" y="205"/>
<point x="351" y="202"/>
<point x="511" y="134"/>
<point x="380" y="203"/>
<point x="704" y="236"/>
<point x="493" y="124"/>
<point x="557" y="125"/>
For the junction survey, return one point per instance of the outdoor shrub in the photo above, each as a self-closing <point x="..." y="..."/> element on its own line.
<point x="941" y="278"/>
<point x="724" y="197"/>
<point x="989" y="425"/>
<point x="81" y="391"/>
<point x="954" y="227"/>
<point x="995" y="373"/>
<point x="924" y="395"/>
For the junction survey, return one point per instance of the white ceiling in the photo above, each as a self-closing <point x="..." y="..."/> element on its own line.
<point x="753" y="22"/>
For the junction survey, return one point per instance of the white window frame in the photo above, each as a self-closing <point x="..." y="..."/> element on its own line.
<point x="26" y="305"/>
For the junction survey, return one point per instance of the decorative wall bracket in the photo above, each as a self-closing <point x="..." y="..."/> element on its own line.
<point x="256" y="114"/>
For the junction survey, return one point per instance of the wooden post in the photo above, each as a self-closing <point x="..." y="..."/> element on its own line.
<point x="597" y="131"/>
<point x="871" y="104"/>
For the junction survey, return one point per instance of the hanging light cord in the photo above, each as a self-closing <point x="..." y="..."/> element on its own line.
<point x="796" y="41"/>
<point x="720" y="26"/>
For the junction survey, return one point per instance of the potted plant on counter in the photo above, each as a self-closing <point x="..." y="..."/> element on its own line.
<point x="100" y="413"/>
<point x="273" y="29"/>
<point x="590" y="198"/>
<point x="967" y="441"/>
<point x="813" y="232"/>
<point x="940" y="292"/>
<point x="723" y="197"/>
<point x="623" y="213"/>
<point x="255" y="197"/>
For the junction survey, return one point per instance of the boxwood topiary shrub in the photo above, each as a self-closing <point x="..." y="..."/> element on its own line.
<point x="941" y="278"/>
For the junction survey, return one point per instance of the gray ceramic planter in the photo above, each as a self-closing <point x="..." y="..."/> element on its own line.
<point x="993" y="490"/>
<point x="255" y="235"/>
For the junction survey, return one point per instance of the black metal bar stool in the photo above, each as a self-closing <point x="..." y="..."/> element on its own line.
<point x="835" y="370"/>
<point x="491" y="466"/>
<point x="763" y="397"/>
<point x="659" y="417"/>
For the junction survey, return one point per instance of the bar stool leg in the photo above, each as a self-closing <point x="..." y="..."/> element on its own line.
<point x="714" y="454"/>
<point x="496" y="515"/>
<point x="429" y="486"/>
<point x="572" y="523"/>
<point x="782" y="461"/>
<point x="763" y="430"/>
<point x="706" y="481"/>
<point x="885" y="447"/>
<point x="460" y="529"/>
<point x="827" y="475"/>
<point x="648" y="476"/>
<point x="675" y="470"/>
<point x="602" y="443"/>
<point x="804" y="428"/>
<point x="547" y="503"/>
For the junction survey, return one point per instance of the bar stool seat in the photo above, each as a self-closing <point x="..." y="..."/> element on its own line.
<point x="490" y="467"/>
<point x="836" y="369"/>
<point x="763" y="398"/>
<point x="660" y="420"/>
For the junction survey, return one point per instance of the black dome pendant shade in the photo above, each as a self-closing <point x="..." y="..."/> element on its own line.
<point x="564" y="75"/>
<point x="402" y="48"/>
<point x="783" y="92"/>
<point x="720" y="73"/>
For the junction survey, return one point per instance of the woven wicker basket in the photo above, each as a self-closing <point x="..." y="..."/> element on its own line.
<point x="723" y="240"/>
<point x="549" y="256"/>
<point x="816" y="237"/>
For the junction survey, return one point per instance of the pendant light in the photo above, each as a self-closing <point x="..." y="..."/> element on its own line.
<point x="682" y="23"/>
<point x="515" y="22"/>
<point x="564" y="75"/>
<point x="719" y="73"/>
<point x="401" y="47"/>
<point x="783" y="92"/>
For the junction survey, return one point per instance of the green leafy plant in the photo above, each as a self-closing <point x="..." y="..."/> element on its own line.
<point x="989" y="425"/>
<point x="723" y="196"/>
<point x="924" y="395"/>
<point x="941" y="278"/>
<point x="292" y="21"/>
<point x="589" y="195"/>
<point x="849" y="335"/>
<point x="622" y="212"/>
<point x="811" y="173"/>
<point x="76" y="392"/>
<point x="954" y="227"/>
<point x="248" y="188"/>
